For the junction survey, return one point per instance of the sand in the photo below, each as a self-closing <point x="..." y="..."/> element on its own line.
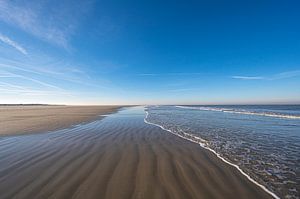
<point x="33" y="119"/>
<point x="117" y="157"/>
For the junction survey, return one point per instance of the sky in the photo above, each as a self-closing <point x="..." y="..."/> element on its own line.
<point x="149" y="52"/>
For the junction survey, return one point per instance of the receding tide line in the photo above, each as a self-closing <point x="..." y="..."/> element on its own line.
<point x="217" y="154"/>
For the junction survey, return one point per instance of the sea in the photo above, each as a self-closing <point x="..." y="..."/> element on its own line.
<point x="262" y="141"/>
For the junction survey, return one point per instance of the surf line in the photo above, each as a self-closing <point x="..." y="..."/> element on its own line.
<point x="217" y="154"/>
<point x="240" y="112"/>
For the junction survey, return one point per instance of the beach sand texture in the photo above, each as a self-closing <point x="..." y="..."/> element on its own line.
<point x="117" y="157"/>
<point x="33" y="119"/>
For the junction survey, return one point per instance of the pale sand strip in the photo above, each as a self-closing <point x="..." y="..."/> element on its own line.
<point x="33" y="119"/>
<point x="116" y="158"/>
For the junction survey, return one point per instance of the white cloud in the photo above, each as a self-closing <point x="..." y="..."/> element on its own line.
<point x="51" y="21"/>
<point x="9" y="88"/>
<point x="183" y="89"/>
<point x="283" y="75"/>
<point x="247" y="77"/>
<point x="168" y="74"/>
<point x="287" y="74"/>
<point x="14" y="75"/>
<point x="13" y="44"/>
<point x="56" y="70"/>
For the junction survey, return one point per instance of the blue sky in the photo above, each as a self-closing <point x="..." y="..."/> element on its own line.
<point x="149" y="52"/>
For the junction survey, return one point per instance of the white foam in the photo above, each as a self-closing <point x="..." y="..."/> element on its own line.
<point x="202" y="144"/>
<point x="225" y="110"/>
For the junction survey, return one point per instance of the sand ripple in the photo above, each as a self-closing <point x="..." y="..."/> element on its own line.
<point x="117" y="157"/>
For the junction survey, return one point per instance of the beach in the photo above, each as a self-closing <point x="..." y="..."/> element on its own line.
<point x="118" y="156"/>
<point x="40" y="118"/>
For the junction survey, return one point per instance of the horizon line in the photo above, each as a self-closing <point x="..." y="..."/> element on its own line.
<point x="171" y="104"/>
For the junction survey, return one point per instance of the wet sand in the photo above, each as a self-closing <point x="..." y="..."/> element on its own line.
<point x="117" y="157"/>
<point x="33" y="119"/>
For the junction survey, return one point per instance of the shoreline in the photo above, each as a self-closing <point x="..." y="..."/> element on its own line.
<point x="119" y="156"/>
<point x="217" y="155"/>
<point x="32" y="119"/>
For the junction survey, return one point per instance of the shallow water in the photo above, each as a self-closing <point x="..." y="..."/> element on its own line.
<point x="264" y="141"/>
<point x="47" y="164"/>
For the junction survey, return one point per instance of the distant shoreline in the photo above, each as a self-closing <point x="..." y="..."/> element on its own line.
<point x="32" y="105"/>
<point x="237" y="104"/>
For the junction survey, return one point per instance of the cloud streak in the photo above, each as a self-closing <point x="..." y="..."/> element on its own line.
<point x="183" y="89"/>
<point x="55" y="70"/>
<point x="13" y="44"/>
<point x="287" y="74"/>
<point x="16" y="89"/>
<point x="167" y="74"/>
<point x="14" y="75"/>
<point x="51" y="21"/>
<point x="278" y="76"/>
<point x="247" y="77"/>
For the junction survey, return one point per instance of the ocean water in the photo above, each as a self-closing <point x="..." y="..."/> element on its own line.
<point x="263" y="141"/>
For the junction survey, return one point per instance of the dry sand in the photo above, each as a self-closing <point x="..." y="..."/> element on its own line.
<point x="117" y="157"/>
<point x="33" y="119"/>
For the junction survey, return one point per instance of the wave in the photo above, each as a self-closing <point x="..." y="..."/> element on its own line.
<point x="240" y="111"/>
<point x="203" y="144"/>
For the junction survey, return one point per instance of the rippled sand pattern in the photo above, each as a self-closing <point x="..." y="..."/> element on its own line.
<point x="117" y="157"/>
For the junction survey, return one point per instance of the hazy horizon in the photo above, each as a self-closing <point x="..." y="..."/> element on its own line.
<point x="229" y="104"/>
<point x="141" y="53"/>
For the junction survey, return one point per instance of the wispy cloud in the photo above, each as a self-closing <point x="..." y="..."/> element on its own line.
<point x="283" y="75"/>
<point x="51" y="21"/>
<point x="247" y="77"/>
<point x="183" y="89"/>
<point x="52" y="69"/>
<point x="148" y="74"/>
<point x="30" y="92"/>
<point x="287" y="74"/>
<point x="167" y="74"/>
<point x="14" y="75"/>
<point x="22" y="90"/>
<point x="13" y="44"/>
